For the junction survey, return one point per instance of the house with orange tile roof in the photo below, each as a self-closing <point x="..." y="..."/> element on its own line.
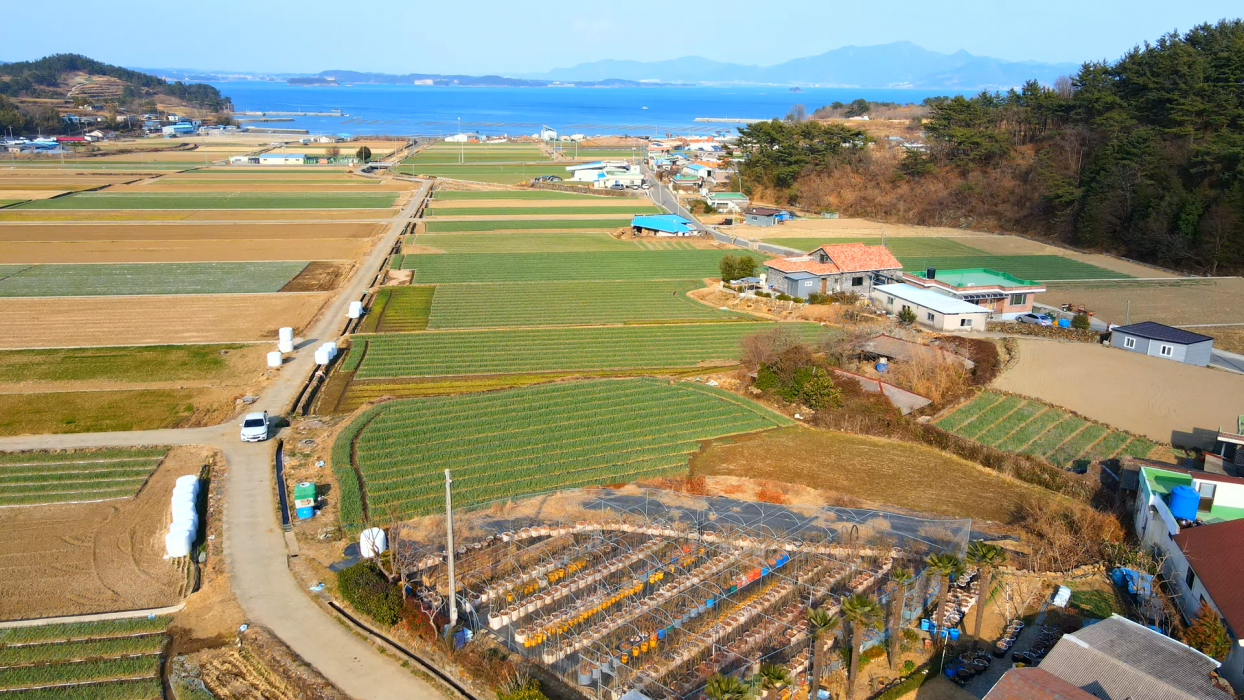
<point x="841" y="267"/>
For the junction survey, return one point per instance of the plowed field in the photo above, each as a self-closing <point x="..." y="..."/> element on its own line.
<point x="61" y="322"/>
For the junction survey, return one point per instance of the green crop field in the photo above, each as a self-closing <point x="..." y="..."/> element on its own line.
<point x="108" y="279"/>
<point x="551" y="303"/>
<point x="535" y="267"/>
<point x="515" y="442"/>
<point x="1038" y="429"/>
<point x="40" y="478"/>
<point x="477" y="155"/>
<point x="447" y="195"/>
<point x="1030" y="267"/>
<point x="217" y="200"/>
<point x="527" y="242"/>
<point x="399" y="309"/>
<point x="148" y="363"/>
<point x="551" y="349"/>
<point x="106" y="660"/>
<point x="498" y="174"/>
<point x="637" y="208"/>
<point x="524" y="224"/>
<point x="901" y="247"/>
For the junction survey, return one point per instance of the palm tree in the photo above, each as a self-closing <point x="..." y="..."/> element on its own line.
<point x="727" y="688"/>
<point x="944" y="566"/>
<point x="820" y="625"/>
<point x="863" y="612"/>
<point x="986" y="558"/>
<point x="900" y="577"/>
<point x="773" y="675"/>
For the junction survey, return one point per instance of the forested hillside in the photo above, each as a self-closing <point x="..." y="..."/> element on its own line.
<point x="1143" y="157"/>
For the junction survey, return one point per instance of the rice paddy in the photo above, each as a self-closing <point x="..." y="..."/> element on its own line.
<point x="1035" y="428"/>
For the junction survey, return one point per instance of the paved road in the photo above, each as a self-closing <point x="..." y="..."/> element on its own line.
<point x="254" y="543"/>
<point x="662" y="196"/>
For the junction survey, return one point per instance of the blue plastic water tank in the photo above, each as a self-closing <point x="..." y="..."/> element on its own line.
<point x="1183" y="502"/>
<point x="1064" y="323"/>
<point x="883" y="365"/>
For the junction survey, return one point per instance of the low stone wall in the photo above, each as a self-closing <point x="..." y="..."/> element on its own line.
<point x="1055" y="332"/>
<point x="1080" y="572"/>
<point x="604" y="191"/>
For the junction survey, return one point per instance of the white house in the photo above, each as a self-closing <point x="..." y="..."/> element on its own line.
<point x="937" y="311"/>
<point x="458" y="138"/>
<point x="606" y="173"/>
<point x="282" y="158"/>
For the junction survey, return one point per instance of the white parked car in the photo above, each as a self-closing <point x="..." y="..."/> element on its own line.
<point x="255" y="427"/>
<point x="1036" y="319"/>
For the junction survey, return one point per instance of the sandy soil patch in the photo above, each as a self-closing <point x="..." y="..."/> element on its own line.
<point x="30" y="194"/>
<point x="319" y="277"/>
<point x="1161" y="399"/>
<point x="1175" y="303"/>
<point x="180" y="251"/>
<point x="210" y="318"/>
<point x="183" y="232"/>
<point x="95" y="557"/>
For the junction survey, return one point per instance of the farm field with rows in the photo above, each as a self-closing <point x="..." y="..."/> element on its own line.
<point x="107" y="660"/>
<point x="550" y="349"/>
<point x="496" y="174"/>
<point x="524" y="224"/>
<point x="622" y="208"/>
<point x="399" y="310"/>
<point x="912" y="246"/>
<point x="514" y="442"/>
<point x="535" y="267"/>
<point x="471" y="195"/>
<point x="552" y="303"/>
<point x="35" y="478"/>
<point x="530" y="242"/>
<point x="147" y="278"/>
<point x="214" y="200"/>
<point x="1036" y="428"/>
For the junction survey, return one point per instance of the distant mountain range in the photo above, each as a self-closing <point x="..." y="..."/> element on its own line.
<point x="898" y="65"/>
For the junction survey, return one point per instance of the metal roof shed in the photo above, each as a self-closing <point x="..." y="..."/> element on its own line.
<point x="663" y="225"/>
<point x="1158" y="340"/>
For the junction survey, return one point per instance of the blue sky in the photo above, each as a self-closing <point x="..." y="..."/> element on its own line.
<point x="487" y="36"/>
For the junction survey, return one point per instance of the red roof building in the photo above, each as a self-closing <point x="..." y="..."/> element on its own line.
<point x="1213" y="552"/>
<point x="1032" y="683"/>
<point x="839" y="267"/>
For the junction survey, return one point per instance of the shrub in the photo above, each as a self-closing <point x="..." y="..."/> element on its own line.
<point x="782" y="296"/>
<point x="818" y="298"/>
<point x="527" y="691"/>
<point x="766" y="295"/>
<point x="909" y="667"/>
<point x="799" y="300"/>
<point x="735" y="267"/>
<point x="844" y="298"/>
<point x="907" y="316"/>
<point x="1081" y="322"/>
<point x="366" y="587"/>
<point x="1208" y="635"/>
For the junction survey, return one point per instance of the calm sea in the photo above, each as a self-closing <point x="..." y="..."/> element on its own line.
<point x="428" y="110"/>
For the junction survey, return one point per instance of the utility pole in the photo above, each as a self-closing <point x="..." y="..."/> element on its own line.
<point x="449" y="530"/>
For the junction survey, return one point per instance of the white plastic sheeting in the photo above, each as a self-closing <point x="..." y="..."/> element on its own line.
<point x="356" y="309"/>
<point x="372" y="543"/>
<point x="285" y="333"/>
<point x="274" y="358"/>
<point x="184" y="508"/>
<point x="285" y="346"/>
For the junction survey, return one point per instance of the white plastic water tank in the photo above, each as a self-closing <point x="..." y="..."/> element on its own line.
<point x="177" y="544"/>
<point x="285" y="346"/>
<point x="355" y="310"/>
<point x="285" y="333"/>
<point x="372" y="542"/>
<point x="274" y="358"/>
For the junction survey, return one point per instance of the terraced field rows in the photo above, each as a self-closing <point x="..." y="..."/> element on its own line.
<point x="399" y="310"/>
<point x="1036" y="428"/>
<point x="551" y="349"/>
<point x="114" y="279"/>
<point x="637" y="208"/>
<point x="32" y="478"/>
<point x="521" y="441"/>
<point x="605" y="224"/>
<point x="448" y="195"/>
<point x="217" y="200"/>
<point x="107" y="660"/>
<point x="528" y="242"/>
<point x="535" y="267"/>
<point x="552" y="303"/>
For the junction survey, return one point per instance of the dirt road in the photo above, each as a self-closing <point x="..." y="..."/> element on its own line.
<point x="254" y="544"/>
<point x="1164" y="400"/>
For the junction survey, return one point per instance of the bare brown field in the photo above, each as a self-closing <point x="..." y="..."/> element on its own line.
<point x="180" y="251"/>
<point x="872" y="469"/>
<point x="256" y="215"/>
<point x="30" y="194"/>
<point x="1229" y="338"/>
<point x="1161" y="399"/>
<point x="184" y="232"/>
<point x="94" y="557"/>
<point x="32" y="322"/>
<point x="1177" y="302"/>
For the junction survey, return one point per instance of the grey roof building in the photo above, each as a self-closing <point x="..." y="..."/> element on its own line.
<point x="1155" y="339"/>
<point x="1117" y="659"/>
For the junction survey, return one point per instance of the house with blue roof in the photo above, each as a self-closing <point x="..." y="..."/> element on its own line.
<point x="664" y="225"/>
